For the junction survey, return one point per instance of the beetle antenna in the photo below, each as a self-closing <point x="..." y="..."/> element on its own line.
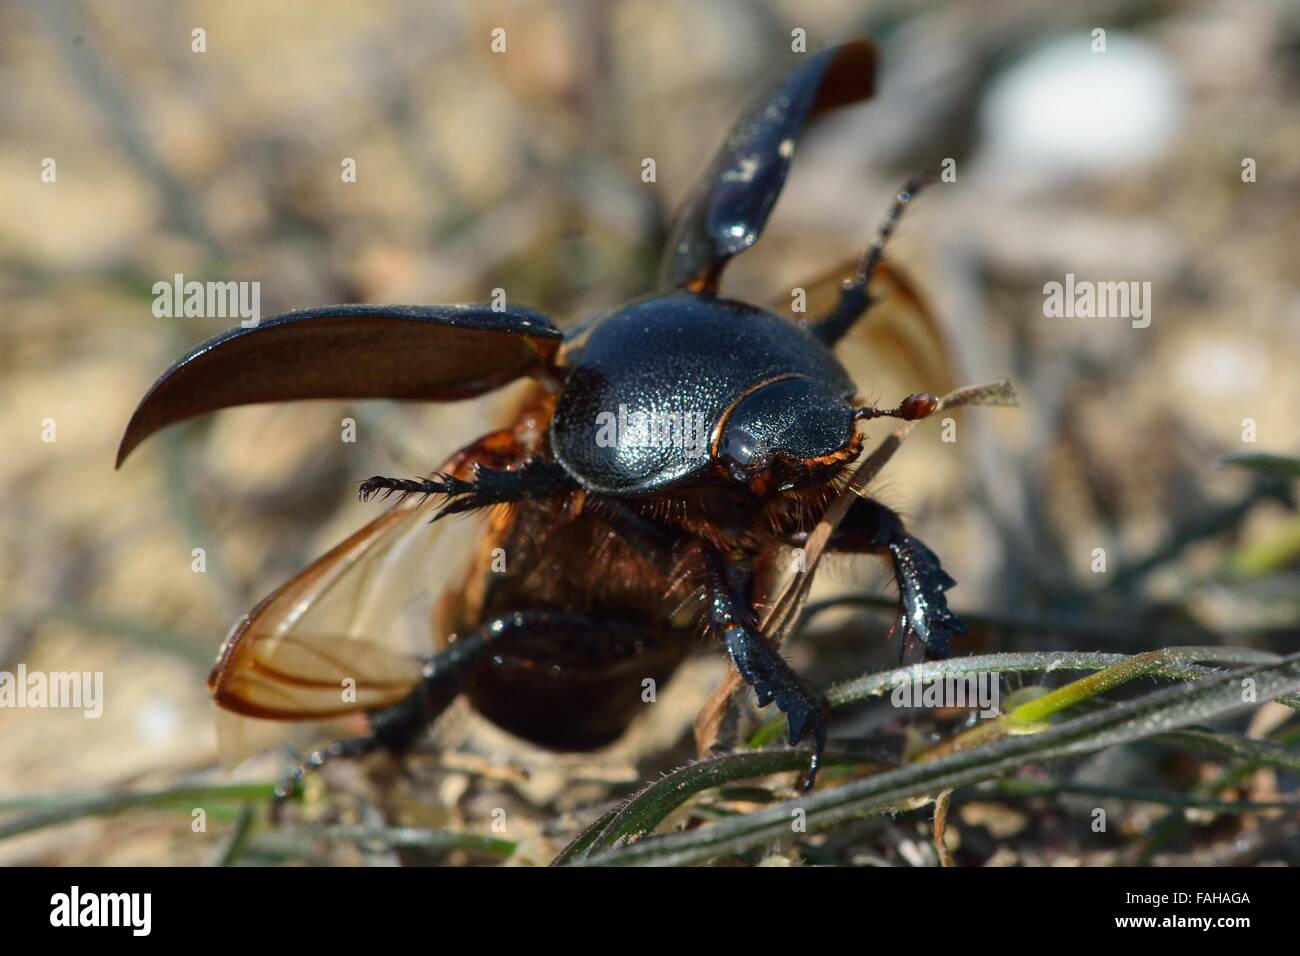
<point x="855" y="299"/>
<point x="917" y="405"/>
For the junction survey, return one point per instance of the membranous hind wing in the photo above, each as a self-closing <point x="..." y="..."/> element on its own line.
<point x="349" y="633"/>
<point x="320" y="645"/>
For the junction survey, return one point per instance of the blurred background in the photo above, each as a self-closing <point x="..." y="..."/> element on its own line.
<point x="1170" y="157"/>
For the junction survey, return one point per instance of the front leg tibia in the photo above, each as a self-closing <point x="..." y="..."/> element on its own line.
<point x="759" y="663"/>
<point x="923" y="614"/>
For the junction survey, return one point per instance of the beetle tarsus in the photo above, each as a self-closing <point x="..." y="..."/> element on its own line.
<point x="815" y="761"/>
<point x="382" y="488"/>
<point x="876" y="251"/>
<point x="537" y="479"/>
<point x="855" y="297"/>
<point x="775" y="681"/>
<point x="288" y="785"/>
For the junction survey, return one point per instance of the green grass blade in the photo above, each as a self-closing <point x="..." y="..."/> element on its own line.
<point x="53" y="809"/>
<point x="1157" y="713"/>
<point x="1176" y="663"/>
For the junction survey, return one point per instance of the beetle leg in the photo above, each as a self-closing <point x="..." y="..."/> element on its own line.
<point x="855" y="298"/>
<point x="923" y="614"/>
<point x="447" y="674"/>
<point x="288" y="785"/>
<point x="759" y="663"/>
<point x="539" y="478"/>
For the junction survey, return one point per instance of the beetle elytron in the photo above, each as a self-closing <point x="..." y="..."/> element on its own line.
<point x="620" y="551"/>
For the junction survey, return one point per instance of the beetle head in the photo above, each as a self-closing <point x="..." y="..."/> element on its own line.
<point x="788" y="434"/>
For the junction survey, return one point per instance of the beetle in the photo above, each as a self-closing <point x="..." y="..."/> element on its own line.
<point x="675" y="448"/>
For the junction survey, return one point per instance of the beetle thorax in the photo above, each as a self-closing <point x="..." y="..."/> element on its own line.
<point x="684" y="389"/>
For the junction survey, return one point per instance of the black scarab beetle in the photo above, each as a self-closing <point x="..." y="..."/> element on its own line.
<point x="669" y="454"/>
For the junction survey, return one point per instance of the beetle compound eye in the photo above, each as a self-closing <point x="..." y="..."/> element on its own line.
<point x="739" y="451"/>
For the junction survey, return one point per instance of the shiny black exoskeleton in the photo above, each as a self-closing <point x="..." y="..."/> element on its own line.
<point x="687" y="437"/>
<point x="749" y="382"/>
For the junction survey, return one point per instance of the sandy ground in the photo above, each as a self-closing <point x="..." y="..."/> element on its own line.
<point x="523" y="170"/>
